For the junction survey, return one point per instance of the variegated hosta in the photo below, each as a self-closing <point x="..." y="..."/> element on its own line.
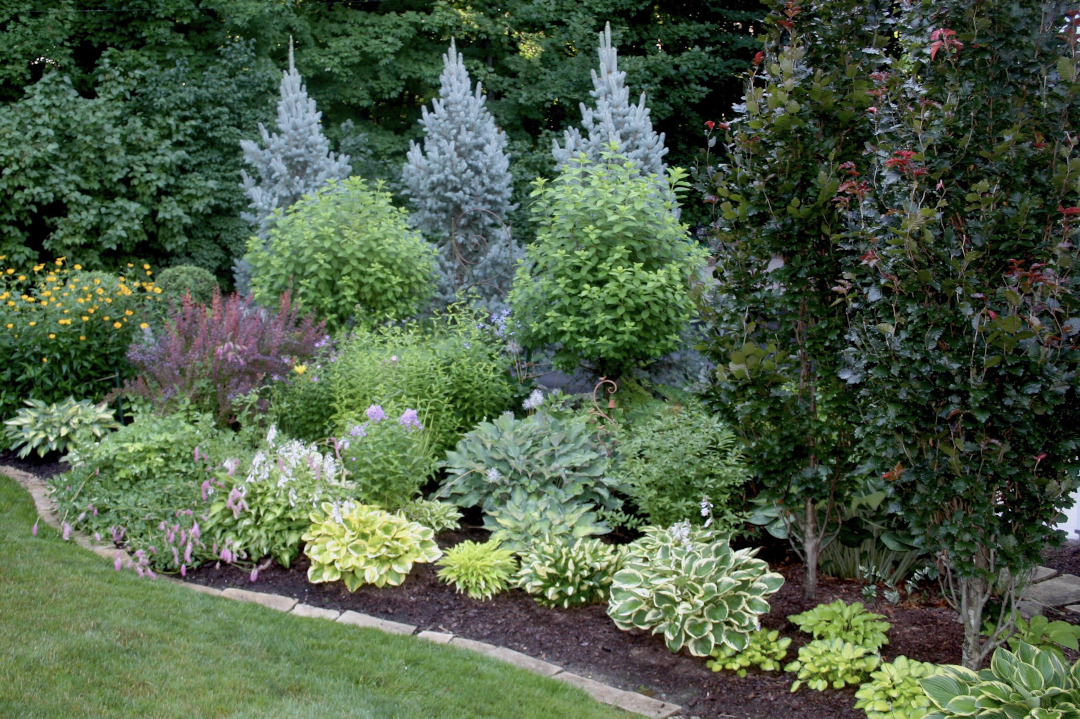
<point x="360" y="544"/>
<point x="690" y="586"/>
<point x="560" y="571"/>
<point x="1032" y="683"/>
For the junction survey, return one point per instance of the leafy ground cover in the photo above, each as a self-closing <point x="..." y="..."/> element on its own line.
<point x="79" y="639"/>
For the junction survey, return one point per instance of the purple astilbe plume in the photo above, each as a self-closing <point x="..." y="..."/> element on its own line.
<point x="210" y="355"/>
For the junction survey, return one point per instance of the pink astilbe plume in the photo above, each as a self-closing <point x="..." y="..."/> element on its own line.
<point x="210" y="355"/>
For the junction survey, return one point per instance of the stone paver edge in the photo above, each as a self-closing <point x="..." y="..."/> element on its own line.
<point x="627" y="700"/>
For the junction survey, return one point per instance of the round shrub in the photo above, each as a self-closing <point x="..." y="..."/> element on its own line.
<point x="568" y="572"/>
<point x="180" y="280"/>
<point x="344" y="251"/>
<point x="479" y="570"/>
<point x="608" y="278"/>
<point x="669" y="462"/>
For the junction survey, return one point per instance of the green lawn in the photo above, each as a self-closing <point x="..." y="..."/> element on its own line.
<point x="78" y="639"/>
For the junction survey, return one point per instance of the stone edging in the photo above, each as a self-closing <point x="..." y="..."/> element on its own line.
<point x="627" y="700"/>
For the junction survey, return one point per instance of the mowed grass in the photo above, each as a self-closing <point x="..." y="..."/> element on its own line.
<point x="78" y="639"/>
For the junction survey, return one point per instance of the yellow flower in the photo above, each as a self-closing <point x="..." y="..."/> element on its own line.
<point x="21" y="278"/>
<point x="60" y="261"/>
<point x="44" y="359"/>
<point x="85" y="318"/>
<point x="97" y="281"/>
<point x="300" y="368"/>
<point x="44" y="303"/>
<point x="129" y="313"/>
<point x="146" y="267"/>
<point x="78" y="267"/>
<point x="143" y="326"/>
<point x="9" y="325"/>
<point x="33" y="323"/>
<point x="81" y="338"/>
<point x="52" y="337"/>
<point x="11" y="303"/>
<point x="10" y="271"/>
<point x="157" y="290"/>
<point x="116" y="325"/>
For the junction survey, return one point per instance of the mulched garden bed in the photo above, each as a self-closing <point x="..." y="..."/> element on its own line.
<point x="585" y="640"/>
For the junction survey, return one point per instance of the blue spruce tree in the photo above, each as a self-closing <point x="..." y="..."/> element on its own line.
<point x="288" y="164"/>
<point x="459" y="184"/>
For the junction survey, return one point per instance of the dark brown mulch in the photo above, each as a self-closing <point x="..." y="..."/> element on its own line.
<point x="585" y="640"/>
<point x="1065" y="559"/>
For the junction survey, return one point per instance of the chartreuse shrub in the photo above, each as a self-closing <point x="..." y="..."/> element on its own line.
<point x="359" y="544"/>
<point x="542" y="452"/>
<point x="481" y="570"/>
<point x="608" y="279"/>
<point x="387" y="457"/>
<point x="57" y="427"/>
<point x="849" y="622"/>
<point x="260" y="508"/>
<point x="344" y="252"/>
<point x="690" y="586"/>
<point x="560" y="571"/>
<point x="825" y="663"/>
<point x="64" y="330"/>
<point x="894" y="692"/>
<point x="437" y="516"/>
<point x="525" y="518"/>
<point x="765" y="651"/>
<point x="196" y="282"/>
<point x="143" y="486"/>
<point x="214" y="357"/>
<point x="683" y="453"/>
<point x="1026" y="683"/>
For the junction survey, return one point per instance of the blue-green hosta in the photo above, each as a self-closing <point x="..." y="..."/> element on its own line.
<point x="526" y="518"/>
<point x="58" y="427"/>
<point x="1030" y="684"/>
<point x="894" y="692"/>
<point x="559" y="571"/>
<point x="690" y="586"/>
<point x="360" y="544"/>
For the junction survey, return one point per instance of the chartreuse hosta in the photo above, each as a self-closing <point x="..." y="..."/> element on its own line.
<point x="360" y="544"/>
<point x="1029" y="684"/>
<point x="689" y="585"/>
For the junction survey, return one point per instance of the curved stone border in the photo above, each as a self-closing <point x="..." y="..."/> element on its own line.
<point x="627" y="700"/>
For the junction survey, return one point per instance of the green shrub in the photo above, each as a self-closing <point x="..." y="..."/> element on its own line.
<point x="765" y="651"/>
<point x="59" y="427"/>
<point x="1045" y="635"/>
<point x="563" y="572"/>
<point x="64" y="332"/>
<point x="894" y="692"/>
<point x="196" y="282"/>
<point x="689" y="585"/>
<point x="608" y="279"/>
<point x="388" y="458"/>
<point x="345" y="251"/>
<point x="525" y="518"/>
<point x="452" y="370"/>
<point x="142" y="485"/>
<point x="437" y="516"/>
<point x="479" y="570"/>
<point x="359" y="545"/>
<point x="669" y="462"/>
<point x="849" y="622"/>
<point x="832" y="662"/>
<point x="1027" y="683"/>
<point x="262" y="509"/>
<point x="540" y="453"/>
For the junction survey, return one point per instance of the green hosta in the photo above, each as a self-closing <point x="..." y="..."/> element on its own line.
<point x="526" y="518"/>
<point x="1030" y="683"/>
<point x="894" y="692"/>
<point x="765" y="651"/>
<point x="1044" y="634"/>
<point x="563" y="572"/>
<point x="439" y="516"/>
<point x="538" y="454"/>
<point x="58" y="427"/>
<point x="360" y="544"/>
<point x="832" y="662"/>
<point x="689" y="585"/>
<point x="848" y="622"/>
<point x="479" y="570"/>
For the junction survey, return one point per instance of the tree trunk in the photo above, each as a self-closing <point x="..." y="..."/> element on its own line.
<point x="811" y="550"/>
<point x="973" y="595"/>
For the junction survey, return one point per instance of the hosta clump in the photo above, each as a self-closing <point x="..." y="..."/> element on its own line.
<point x="479" y="570"/>
<point x="832" y="662"/>
<point x="538" y="453"/>
<point x="563" y="572"/>
<point x="262" y="509"/>
<point x="57" y="427"/>
<point x="848" y="622"/>
<point x="360" y="544"/>
<point x="525" y="518"/>
<point x="894" y="692"/>
<point x="1044" y="634"/>
<point x="437" y="516"/>
<point x="1028" y="683"/>
<point x="692" y="587"/>
<point x="765" y="651"/>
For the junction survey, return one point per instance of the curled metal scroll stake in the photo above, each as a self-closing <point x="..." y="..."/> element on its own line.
<point x="605" y="426"/>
